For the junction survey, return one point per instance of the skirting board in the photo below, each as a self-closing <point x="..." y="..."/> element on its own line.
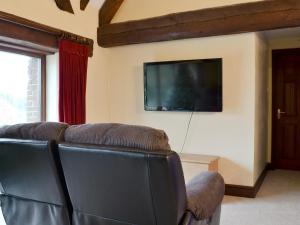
<point x="246" y="191"/>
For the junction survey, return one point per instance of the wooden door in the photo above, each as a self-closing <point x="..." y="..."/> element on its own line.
<point x="286" y="109"/>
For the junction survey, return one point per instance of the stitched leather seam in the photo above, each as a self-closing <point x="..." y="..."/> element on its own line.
<point x="31" y="200"/>
<point x="150" y="187"/>
<point x="89" y="214"/>
<point x="59" y="181"/>
<point x="22" y="141"/>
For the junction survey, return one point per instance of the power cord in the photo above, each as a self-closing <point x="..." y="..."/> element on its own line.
<point x="187" y="132"/>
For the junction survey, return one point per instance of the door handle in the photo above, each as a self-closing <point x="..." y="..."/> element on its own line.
<point x="279" y="114"/>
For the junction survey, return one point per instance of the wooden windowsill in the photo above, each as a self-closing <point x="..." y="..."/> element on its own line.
<point x="196" y="158"/>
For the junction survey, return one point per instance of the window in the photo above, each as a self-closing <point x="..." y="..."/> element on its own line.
<point x="21" y="88"/>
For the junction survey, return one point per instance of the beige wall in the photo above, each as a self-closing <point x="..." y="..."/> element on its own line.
<point x="52" y="84"/>
<point x="232" y="134"/>
<point x="82" y="23"/>
<point x="140" y="9"/>
<point x="229" y="134"/>
<point x="261" y="106"/>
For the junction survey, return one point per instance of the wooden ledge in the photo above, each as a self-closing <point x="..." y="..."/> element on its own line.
<point x="196" y="158"/>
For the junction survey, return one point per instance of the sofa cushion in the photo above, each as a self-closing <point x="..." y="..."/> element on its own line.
<point x="113" y="134"/>
<point x="205" y="193"/>
<point x="35" y="131"/>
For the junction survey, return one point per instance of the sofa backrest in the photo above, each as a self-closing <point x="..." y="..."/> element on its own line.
<point x="121" y="186"/>
<point x="114" y="134"/>
<point x="28" y="170"/>
<point x="35" y="131"/>
<point x="31" y="176"/>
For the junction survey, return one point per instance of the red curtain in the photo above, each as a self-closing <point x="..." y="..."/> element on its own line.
<point x="73" y="60"/>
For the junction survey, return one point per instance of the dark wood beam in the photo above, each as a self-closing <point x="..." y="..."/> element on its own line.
<point x="240" y="18"/>
<point x="15" y="34"/>
<point x="108" y="11"/>
<point x="22" y="50"/>
<point x="23" y="32"/>
<point x="83" y="4"/>
<point x="65" y="5"/>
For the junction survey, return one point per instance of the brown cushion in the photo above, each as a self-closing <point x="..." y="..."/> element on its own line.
<point x="35" y="131"/>
<point x="205" y="193"/>
<point x="113" y="134"/>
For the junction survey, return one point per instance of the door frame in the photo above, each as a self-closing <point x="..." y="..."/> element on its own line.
<point x="274" y="150"/>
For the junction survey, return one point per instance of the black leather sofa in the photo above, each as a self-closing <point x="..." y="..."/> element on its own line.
<point x="34" y="191"/>
<point x="115" y="175"/>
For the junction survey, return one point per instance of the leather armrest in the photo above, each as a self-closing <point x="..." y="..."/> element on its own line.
<point x="205" y="193"/>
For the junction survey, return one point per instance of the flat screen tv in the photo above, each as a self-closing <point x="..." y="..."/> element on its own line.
<point x="190" y="85"/>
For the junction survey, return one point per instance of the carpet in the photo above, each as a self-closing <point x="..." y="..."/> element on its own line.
<point x="277" y="202"/>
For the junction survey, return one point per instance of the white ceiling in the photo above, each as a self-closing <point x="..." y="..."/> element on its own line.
<point x="96" y="3"/>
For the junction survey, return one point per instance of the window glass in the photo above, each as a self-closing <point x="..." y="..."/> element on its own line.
<point x="20" y="88"/>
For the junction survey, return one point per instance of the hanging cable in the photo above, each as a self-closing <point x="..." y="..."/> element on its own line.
<point x="187" y="132"/>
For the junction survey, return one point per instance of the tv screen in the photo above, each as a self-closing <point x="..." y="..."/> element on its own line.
<point x="192" y="85"/>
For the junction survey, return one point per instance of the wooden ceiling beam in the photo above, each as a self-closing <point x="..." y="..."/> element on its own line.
<point x="83" y="4"/>
<point x="65" y="5"/>
<point x="108" y="11"/>
<point x="233" y="19"/>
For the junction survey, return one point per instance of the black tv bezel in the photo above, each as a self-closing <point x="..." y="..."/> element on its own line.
<point x="178" y="109"/>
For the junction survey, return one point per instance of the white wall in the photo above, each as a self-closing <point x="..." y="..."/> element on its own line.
<point x="239" y="133"/>
<point x="229" y="134"/>
<point x="261" y="106"/>
<point x="52" y="87"/>
<point x="233" y="134"/>
<point x="83" y="23"/>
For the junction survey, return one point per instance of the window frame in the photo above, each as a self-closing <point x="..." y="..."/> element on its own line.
<point x="42" y="57"/>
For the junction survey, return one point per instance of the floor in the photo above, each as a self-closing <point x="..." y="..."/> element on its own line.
<point x="277" y="203"/>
